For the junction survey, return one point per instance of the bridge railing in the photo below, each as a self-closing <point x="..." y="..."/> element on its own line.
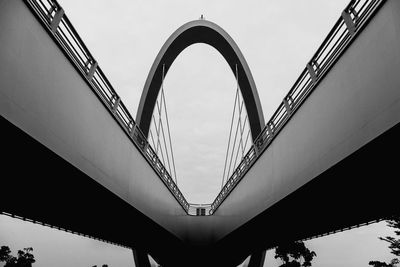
<point x="52" y="16"/>
<point x="352" y="20"/>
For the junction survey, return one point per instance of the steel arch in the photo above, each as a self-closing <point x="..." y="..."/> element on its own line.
<point x="200" y="31"/>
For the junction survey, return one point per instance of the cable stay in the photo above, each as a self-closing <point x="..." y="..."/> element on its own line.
<point x="238" y="144"/>
<point x="158" y="124"/>
<point x="163" y="135"/>
<point x="234" y="144"/>
<point x="152" y="139"/>
<point x="240" y="112"/>
<point x="158" y="144"/>
<point x="168" y="128"/>
<point x="247" y="137"/>
<point x="230" y="135"/>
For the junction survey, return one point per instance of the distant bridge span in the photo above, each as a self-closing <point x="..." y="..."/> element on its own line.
<point x="89" y="177"/>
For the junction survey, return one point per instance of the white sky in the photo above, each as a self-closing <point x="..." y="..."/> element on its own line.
<point x="277" y="38"/>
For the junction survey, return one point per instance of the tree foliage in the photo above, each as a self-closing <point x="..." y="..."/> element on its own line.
<point x="294" y="254"/>
<point x="392" y="263"/>
<point x="394" y="244"/>
<point x="4" y="253"/>
<point x="24" y="258"/>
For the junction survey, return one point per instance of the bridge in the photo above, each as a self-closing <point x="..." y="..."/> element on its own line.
<point x="74" y="158"/>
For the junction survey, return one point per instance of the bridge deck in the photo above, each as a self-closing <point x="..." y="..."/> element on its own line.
<point x="103" y="176"/>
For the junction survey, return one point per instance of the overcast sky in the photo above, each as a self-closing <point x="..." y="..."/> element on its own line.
<point x="277" y="38"/>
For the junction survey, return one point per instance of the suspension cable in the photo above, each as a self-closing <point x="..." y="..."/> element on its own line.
<point x="247" y="138"/>
<point x="159" y="143"/>
<point x="240" y="112"/>
<point x="159" y="123"/>
<point x="160" y="130"/>
<point x="166" y="116"/>
<point x="152" y="139"/>
<point x="240" y="106"/>
<point x="230" y="135"/>
<point x="233" y="151"/>
<point x="163" y="136"/>
<point x="155" y="126"/>
<point x="239" y="124"/>
<point x="237" y="152"/>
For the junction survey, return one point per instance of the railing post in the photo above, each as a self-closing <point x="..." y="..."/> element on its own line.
<point x="348" y="20"/>
<point x="313" y="72"/>
<point x="270" y="129"/>
<point x="131" y="128"/>
<point x="116" y="103"/>
<point x="287" y="106"/>
<point x="92" y="70"/>
<point x="256" y="151"/>
<point x="57" y="19"/>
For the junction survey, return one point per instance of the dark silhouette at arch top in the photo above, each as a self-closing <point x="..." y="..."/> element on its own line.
<point x="200" y="31"/>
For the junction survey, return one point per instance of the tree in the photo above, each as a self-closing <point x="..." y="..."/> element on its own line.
<point x="4" y="253"/>
<point x="294" y="254"/>
<point x="392" y="263"/>
<point x="394" y="244"/>
<point x="25" y="257"/>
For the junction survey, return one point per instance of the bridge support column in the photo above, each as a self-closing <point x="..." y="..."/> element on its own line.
<point x="257" y="259"/>
<point x="141" y="258"/>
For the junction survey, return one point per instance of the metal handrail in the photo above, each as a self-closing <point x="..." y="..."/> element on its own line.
<point x="352" y="20"/>
<point x="52" y="16"/>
